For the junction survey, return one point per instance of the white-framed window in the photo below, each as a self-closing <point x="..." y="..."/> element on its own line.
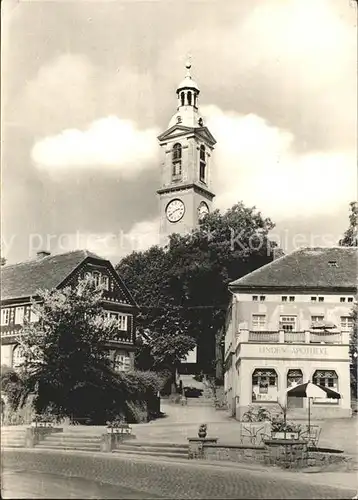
<point x="292" y="298"/>
<point x="320" y="299"/>
<point x="313" y="299"/>
<point x="262" y="298"/>
<point x="5" y="316"/>
<point x="121" y="318"/>
<point x="284" y="298"/>
<point x="17" y="356"/>
<point x="258" y="322"/>
<point x="350" y="299"/>
<point x="264" y="385"/>
<point x="19" y="315"/>
<point x="294" y="377"/>
<point x="317" y="318"/>
<point x="34" y="317"/>
<point x="288" y="323"/>
<point x="326" y="378"/>
<point x="254" y="298"/>
<point x="122" y="361"/>
<point x="97" y="278"/>
<point x="105" y="282"/>
<point x="346" y="323"/>
<point x="342" y="299"/>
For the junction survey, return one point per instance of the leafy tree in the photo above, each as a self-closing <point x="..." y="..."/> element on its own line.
<point x="350" y="238"/>
<point x="183" y="289"/>
<point x="66" y="365"/>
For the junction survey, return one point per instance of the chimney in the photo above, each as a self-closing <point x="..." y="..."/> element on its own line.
<point x="277" y="253"/>
<point x="42" y="253"/>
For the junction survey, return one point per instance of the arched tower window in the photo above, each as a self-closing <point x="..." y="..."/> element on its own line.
<point x="176" y="159"/>
<point x="202" y="173"/>
<point x="182" y="98"/>
<point x="189" y="98"/>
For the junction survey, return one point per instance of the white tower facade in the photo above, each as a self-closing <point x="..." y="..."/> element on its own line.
<point x="185" y="193"/>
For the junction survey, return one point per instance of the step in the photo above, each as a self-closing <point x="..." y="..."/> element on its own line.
<point x="155" y="449"/>
<point x="80" y="447"/>
<point x="158" y="444"/>
<point x="71" y="444"/>
<point x="54" y="437"/>
<point x="151" y="453"/>
<point x="12" y="445"/>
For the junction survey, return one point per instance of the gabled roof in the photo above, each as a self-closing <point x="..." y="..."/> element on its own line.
<point x="27" y="278"/>
<point x="306" y="268"/>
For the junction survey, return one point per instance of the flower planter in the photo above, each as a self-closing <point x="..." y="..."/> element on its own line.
<point x="284" y="435"/>
<point x="202" y="434"/>
<point x="119" y="429"/>
<point x="41" y="424"/>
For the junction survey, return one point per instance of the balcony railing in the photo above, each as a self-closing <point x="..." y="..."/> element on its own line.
<point x="294" y="337"/>
<point x="326" y="338"/>
<point x="263" y="336"/>
<point x="286" y="337"/>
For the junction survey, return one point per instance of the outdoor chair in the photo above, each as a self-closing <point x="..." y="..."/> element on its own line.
<point x="312" y="437"/>
<point x="250" y="434"/>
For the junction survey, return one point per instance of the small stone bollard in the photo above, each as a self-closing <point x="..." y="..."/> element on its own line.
<point x="196" y="446"/>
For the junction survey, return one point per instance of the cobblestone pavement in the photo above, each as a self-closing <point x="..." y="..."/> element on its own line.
<point x="166" y="479"/>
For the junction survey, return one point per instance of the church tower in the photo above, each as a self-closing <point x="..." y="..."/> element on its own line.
<point x="187" y="145"/>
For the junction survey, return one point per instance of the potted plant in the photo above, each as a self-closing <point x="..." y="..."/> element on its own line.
<point x="43" y="421"/>
<point x="202" y="431"/>
<point x="280" y="429"/>
<point x="118" y="426"/>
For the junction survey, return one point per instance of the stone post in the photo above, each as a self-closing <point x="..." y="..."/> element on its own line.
<point x="281" y="336"/>
<point x="196" y="446"/>
<point x="244" y="335"/>
<point x="307" y="337"/>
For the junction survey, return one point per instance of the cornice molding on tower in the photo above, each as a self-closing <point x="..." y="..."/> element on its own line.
<point x="190" y="132"/>
<point x="187" y="187"/>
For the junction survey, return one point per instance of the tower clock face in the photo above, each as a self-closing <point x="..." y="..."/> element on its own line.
<point x="175" y="210"/>
<point x="203" y="210"/>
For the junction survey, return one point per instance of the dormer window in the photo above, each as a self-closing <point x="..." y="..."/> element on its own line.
<point x="202" y="172"/>
<point x="105" y="282"/>
<point x="97" y="278"/>
<point x="176" y="159"/>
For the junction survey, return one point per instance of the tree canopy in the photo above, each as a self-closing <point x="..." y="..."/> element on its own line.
<point x="350" y="238"/>
<point x="65" y="359"/>
<point x="183" y="289"/>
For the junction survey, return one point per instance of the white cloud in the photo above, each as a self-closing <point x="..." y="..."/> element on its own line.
<point x="109" y="142"/>
<point x="257" y="163"/>
<point x="110" y="245"/>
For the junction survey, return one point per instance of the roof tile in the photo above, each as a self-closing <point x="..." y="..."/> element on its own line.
<point x="306" y="268"/>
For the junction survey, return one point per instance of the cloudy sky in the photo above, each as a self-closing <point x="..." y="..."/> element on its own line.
<point x="88" y="86"/>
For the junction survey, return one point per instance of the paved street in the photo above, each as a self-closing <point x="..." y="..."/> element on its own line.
<point x="146" y="478"/>
<point x="23" y="484"/>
